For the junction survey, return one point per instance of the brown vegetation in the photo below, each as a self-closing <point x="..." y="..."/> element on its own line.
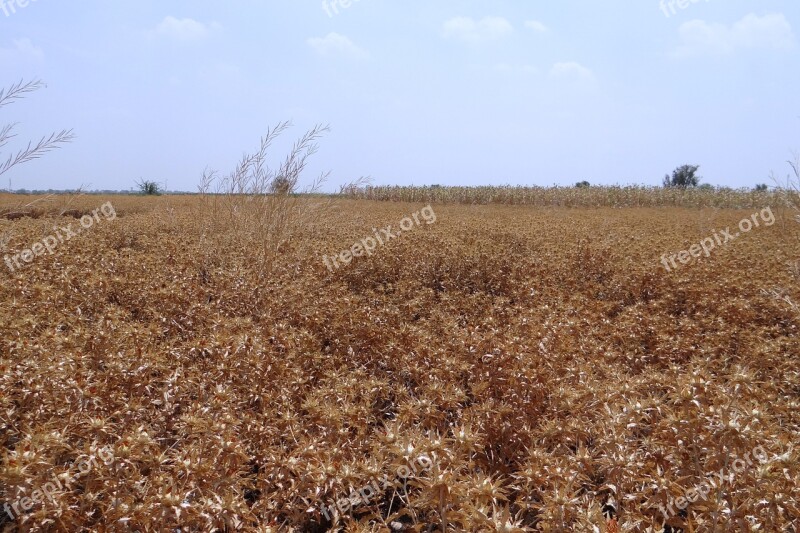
<point x="542" y="358"/>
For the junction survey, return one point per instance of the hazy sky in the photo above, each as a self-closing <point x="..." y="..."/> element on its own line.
<point x="416" y="92"/>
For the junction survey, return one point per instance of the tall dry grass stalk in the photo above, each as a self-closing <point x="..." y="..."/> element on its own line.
<point x="789" y="191"/>
<point x="32" y="151"/>
<point x="792" y="188"/>
<point x="260" y="209"/>
<point x="260" y="206"/>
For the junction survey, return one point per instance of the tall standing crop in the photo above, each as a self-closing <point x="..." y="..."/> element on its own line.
<point x="579" y="196"/>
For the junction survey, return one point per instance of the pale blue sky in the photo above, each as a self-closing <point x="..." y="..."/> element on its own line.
<point x="416" y="92"/>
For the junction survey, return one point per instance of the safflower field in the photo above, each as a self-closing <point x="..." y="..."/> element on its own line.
<point x="497" y="368"/>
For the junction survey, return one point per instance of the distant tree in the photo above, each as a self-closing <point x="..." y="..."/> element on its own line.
<point x="762" y="187"/>
<point x="706" y="187"/>
<point x="683" y="177"/>
<point x="149" y="188"/>
<point x="583" y="184"/>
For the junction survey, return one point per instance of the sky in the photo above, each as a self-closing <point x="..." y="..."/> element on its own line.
<point x="415" y="92"/>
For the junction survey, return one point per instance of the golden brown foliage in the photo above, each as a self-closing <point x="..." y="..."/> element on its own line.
<point x="543" y="359"/>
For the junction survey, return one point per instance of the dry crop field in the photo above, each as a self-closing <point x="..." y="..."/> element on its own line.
<point x="492" y="368"/>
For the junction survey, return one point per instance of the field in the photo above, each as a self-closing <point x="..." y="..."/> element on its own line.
<point x="491" y="368"/>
